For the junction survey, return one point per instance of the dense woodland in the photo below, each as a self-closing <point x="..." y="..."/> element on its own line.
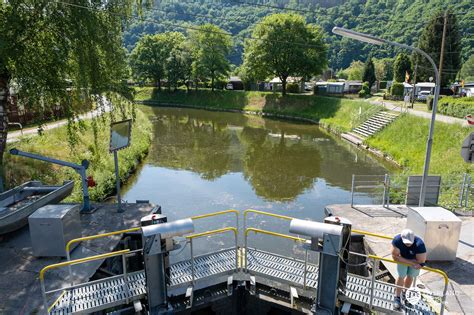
<point x="398" y="20"/>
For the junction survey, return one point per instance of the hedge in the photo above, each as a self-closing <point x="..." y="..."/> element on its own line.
<point x="456" y="106"/>
<point x="397" y="89"/>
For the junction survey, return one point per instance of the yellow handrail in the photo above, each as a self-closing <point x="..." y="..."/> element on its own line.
<point x="440" y="272"/>
<point x="290" y="237"/>
<point x="279" y="216"/>
<point x="372" y="234"/>
<point x="80" y="260"/>
<point x="93" y="237"/>
<point x="202" y="216"/>
<point x="56" y="301"/>
<point x="223" y="230"/>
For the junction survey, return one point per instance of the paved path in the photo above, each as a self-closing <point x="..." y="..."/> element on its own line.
<point x="443" y="118"/>
<point x="15" y="136"/>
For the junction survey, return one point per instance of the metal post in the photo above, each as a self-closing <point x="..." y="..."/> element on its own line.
<point x="245" y="248"/>
<point x="352" y="191"/>
<point x="388" y="191"/>
<point x="466" y="202"/>
<point x="192" y="260"/>
<point x="43" y="293"/>
<point x="384" y="191"/>
<point x="236" y="253"/>
<point x="461" y="195"/>
<point x="443" y="300"/>
<point x="305" y="267"/>
<point x="125" y="278"/>
<point x="372" y="282"/>
<point x="117" y="182"/>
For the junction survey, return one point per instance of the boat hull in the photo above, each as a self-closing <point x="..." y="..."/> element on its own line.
<point x="17" y="204"/>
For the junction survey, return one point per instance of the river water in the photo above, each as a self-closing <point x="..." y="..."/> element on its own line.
<point x="203" y="161"/>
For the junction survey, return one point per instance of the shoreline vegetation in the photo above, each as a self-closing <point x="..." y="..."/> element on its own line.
<point x="403" y="141"/>
<point x="53" y="144"/>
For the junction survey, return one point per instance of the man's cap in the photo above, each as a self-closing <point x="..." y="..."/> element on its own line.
<point x="408" y="237"/>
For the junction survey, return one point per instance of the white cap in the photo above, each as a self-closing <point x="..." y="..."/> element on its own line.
<point x="408" y="237"/>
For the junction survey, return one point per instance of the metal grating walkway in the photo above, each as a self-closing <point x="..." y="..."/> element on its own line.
<point x="103" y="294"/>
<point x="281" y="268"/>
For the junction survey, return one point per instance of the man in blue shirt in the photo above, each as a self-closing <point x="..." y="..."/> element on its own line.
<point x="410" y="251"/>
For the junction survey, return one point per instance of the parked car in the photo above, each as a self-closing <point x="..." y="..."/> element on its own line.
<point x="229" y="86"/>
<point x="423" y="95"/>
<point x="308" y="86"/>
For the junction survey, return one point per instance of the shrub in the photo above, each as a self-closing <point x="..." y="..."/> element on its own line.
<point x="365" y="91"/>
<point x="397" y="89"/>
<point x="456" y="106"/>
<point x="383" y="85"/>
<point x="292" y="88"/>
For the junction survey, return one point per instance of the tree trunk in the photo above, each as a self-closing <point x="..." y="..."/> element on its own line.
<point x="158" y="84"/>
<point x="212" y="83"/>
<point x="196" y="85"/>
<point x="283" y="86"/>
<point x="4" y="89"/>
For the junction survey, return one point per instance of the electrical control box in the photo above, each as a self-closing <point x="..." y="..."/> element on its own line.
<point x="52" y="227"/>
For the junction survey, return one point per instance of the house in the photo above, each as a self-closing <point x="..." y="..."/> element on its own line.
<point x="463" y="90"/>
<point x="234" y="83"/>
<point x="335" y="88"/>
<point x="425" y="86"/>
<point x="469" y="89"/>
<point x="352" y="87"/>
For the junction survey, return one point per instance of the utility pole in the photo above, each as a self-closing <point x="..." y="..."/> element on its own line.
<point x="441" y="56"/>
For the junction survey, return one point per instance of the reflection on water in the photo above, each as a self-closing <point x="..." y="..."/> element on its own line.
<point x="203" y="161"/>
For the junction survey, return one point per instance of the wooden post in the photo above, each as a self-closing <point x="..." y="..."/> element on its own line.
<point x="443" y="39"/>
<point x="414" y="87"/>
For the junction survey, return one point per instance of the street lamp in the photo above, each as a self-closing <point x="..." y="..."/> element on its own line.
<point x="366" y="38"/>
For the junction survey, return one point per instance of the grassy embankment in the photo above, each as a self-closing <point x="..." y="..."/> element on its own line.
<point x="404" y="140"/>
<point x="338" y="114"/>
<point x="54" y="143"/>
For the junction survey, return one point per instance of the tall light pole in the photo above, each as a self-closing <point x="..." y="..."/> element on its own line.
<point x="366" y="38"/>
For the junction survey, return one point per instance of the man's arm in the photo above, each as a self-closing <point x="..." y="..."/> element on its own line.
<point x="397" y="257"/>
<point x="420" y="260"/>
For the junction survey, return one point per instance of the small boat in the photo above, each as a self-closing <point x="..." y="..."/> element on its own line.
<point x="17" y="204"/>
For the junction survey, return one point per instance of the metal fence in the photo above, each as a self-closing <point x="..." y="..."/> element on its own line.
<point x="453" y="192"/>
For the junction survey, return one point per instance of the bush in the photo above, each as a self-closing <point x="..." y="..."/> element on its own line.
<point x="292" y="88"/>
<point x="365" y="91"/>
<point x="397" y="89"/>
<point x="383" y="85"/>
<point x="456" y="106"/>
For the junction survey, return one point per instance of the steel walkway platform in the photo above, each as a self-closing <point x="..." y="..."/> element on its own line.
<point x="103" y="294"/>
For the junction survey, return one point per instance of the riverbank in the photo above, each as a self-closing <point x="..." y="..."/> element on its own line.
<point x="53" y="143"/>
<point x="338" y="114"/>
<point x="404" y="141"/>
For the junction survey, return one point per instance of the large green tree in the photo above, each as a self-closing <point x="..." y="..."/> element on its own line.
<point x="284" y="45"/>
<point x="210" y="46"/>
<point x="430" y="42"/>
<point x="369" y="72"/>
<point x="148" y="58"/>
<point x="467" y="70"/>
<point x="61" y="53"/>
<point x="401" y="66"/>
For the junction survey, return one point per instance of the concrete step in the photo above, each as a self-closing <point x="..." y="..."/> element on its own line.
<point x="362" y="133"/>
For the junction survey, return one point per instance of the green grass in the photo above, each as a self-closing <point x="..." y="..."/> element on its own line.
<point x="54" y="143"/>
<point x="339" y="114"/>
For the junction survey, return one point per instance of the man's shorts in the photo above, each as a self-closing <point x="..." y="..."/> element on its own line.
<point x="404" y="271"/>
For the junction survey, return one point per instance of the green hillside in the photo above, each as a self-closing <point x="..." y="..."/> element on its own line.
<point x="399" y="20"/>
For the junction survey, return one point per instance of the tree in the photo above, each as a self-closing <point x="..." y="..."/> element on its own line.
<point x="430" y="42"/>
<point x="383" y="69"/>
<point x="354" y="72"/>
<point x="47" y="46"/>
<point x="285" y="46"/>
<point x="401" y="66"/>
<point x="467" y="70"/>
<point x="148" y="58"/>
<point x="369" y="72"/>
<point x="210" y="46"/>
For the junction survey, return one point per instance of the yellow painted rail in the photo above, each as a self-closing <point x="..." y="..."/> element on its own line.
<point x="372" y="234"/>
<point x="290" y="237"/>
<point x="93" y="237"/>
<point x="223" y="230"/>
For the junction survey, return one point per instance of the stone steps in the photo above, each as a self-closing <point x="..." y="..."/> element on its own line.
<point x="374" y="124"/>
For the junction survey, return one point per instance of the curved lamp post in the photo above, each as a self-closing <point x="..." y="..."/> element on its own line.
<point x="379" y="41"/>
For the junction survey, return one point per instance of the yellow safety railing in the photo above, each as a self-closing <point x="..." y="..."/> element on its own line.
<point x="208" y="233"/>
<point x="70" y="263"/>
<point x="372" y="234"/>
<point x="213" y="214"/>
<point x="93" y="237"/>
<point x="437" y="271"/>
